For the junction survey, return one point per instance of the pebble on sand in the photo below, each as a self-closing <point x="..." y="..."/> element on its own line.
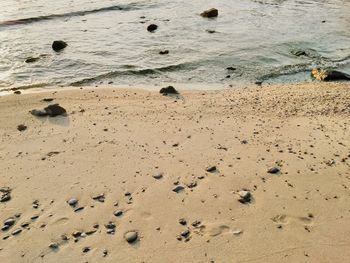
<point x="273" y="170"/>
<point x="178" y="189"/>
<point x="168" y="90"/>
<point x="131" y="236"/>
<point x="244" y="196"/>
<point x="72" y="202"/>
<point x="21" y="127"/>
<point x="211" y="169"/>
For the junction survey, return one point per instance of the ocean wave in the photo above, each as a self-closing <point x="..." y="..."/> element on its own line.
<point x="29" y="20"/>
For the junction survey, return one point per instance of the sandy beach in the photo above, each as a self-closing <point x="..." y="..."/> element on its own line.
<point x="257" y="174"/>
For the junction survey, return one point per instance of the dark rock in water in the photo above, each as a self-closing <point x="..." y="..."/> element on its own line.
<point x="213" y="12"/>
<point x="328" y="75"/>
<point x="55" y="110"/>
<point x="21" y="127"/>
<point x="152" y="28"/>
<point x="178" y="189"/>
<point x="258" y="82"/>
<point x="58" y="45"/>
<point x="17" y="92"/>
<point x="168" y="90"/>
<point x="299" y="53"/>
<point x="31" y="59"/>
<point x="131" y="236"/>
<point x="273" y="170"/>
<point x="165" y="52"/>
<point x="244" y="197"/>
<point x="5" y="195"/>
<point x="38" y="113"/>
<point x="231" y="68"/>
<point x="210" y="31"/>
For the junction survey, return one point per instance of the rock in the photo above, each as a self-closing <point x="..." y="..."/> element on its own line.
<point x="38" y="113"/>
<point x="158" y="176"/>
<point x="118" y="213"/>
<point x="168" y="90"/>
<point x="273" y="170"/>
<point x="5" y="228"/>
<point x="182" y="221"/>
<point x="5" y="194"/>
<point x="72" y="202"/>
<point x="17" y="92"/>
<point x="110" y="225"/>
<point x="31" y="59"/>
<point x="54" y="246"/>
<point x="99" y="197"/>
<point x="105" y="253"/>
<point x="47" y="99"/>
<point x="185" y="233"/>
<point x="211" y="169"/>
<point x="213" y="12"/>
<point x="328" y="75"/>
<point x="210" y="31"/>
<point x="21" y="127"/>
<point x="76" y="234"/>
<point x="164" y="52"/>
<point x="16" y="232"/>
<point x="244" y="196"/>
<point x="79" y="209"/>
<point x="34" y="217"/>
<point x="58" y="45"/>
<point x="55" y="110"/>
<point x="152" y="28"/>
<point x="131" y="236"/>
<point x="86" y="249"/>
<point x="9" y="222"/>
<point x="25" y="224"/>
<point x="178" y="189"/>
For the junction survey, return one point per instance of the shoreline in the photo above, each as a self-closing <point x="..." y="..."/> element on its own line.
<point x="174" y="169"/>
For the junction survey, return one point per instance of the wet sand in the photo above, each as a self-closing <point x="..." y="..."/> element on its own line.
<point x="172" y="169"/>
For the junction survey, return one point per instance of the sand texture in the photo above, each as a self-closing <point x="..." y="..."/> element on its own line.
<point x="190" y="175"/>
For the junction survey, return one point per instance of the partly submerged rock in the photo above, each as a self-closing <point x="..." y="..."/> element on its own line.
<point x="213" y="12"/>
<point x="31" y="59"/>
<point x="328" y="75"/>
<point x="58" y="45"/>
<point x="152" y="28"/>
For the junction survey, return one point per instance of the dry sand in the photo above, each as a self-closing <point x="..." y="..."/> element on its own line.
<point x="114" y="142"/>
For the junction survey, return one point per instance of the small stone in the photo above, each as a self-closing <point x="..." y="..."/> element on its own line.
<point x="178" y="189"/>
<point x="31" y="59"/>
<point x="25" y="224"/>
<point x="131" y="236"/>
<point x="58" y="45"/>
<point x="99" y="197"/>
<point x="34" y="217"/>
<point x="152" y="28"/>
<point x="55" y="110"/>
<point x="105" y="253"/>
<point x="54" y="246"/>
<point x="5" y="228"/>
<point x="196" y="223"/>
<point x="110" y="231"/>
<point x="38" y="113"/>
<point x="273" y="170"/>
<point x="244" y="196"/>
<point x="213" y="12"/>
<point x="118" y="213"/>
<point x="110" y="226"/>
<point x="185" y="233"/>
<point x="21" y="127"/>
<point x="16" y="232"/>
<point x="86" y="249"/>
<point x="17" y="92"/>
<point x="168" y="90"/>
<point x="9" y="222"/>
<point x="182" y="221"/>
<point x="76" y="234"/>
<point x="5" y="194"/>
<point x="211" y="169"/>
<point x="78" y="209"/>
<point x="158" y="176"/>
<point x="164" y="52"/>
<point x="72" y="202"/>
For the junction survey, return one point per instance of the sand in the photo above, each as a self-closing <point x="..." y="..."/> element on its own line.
<point x="129" y="149"/>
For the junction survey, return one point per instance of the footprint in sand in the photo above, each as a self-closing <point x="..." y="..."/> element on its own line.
<point x="283" y="219"/>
